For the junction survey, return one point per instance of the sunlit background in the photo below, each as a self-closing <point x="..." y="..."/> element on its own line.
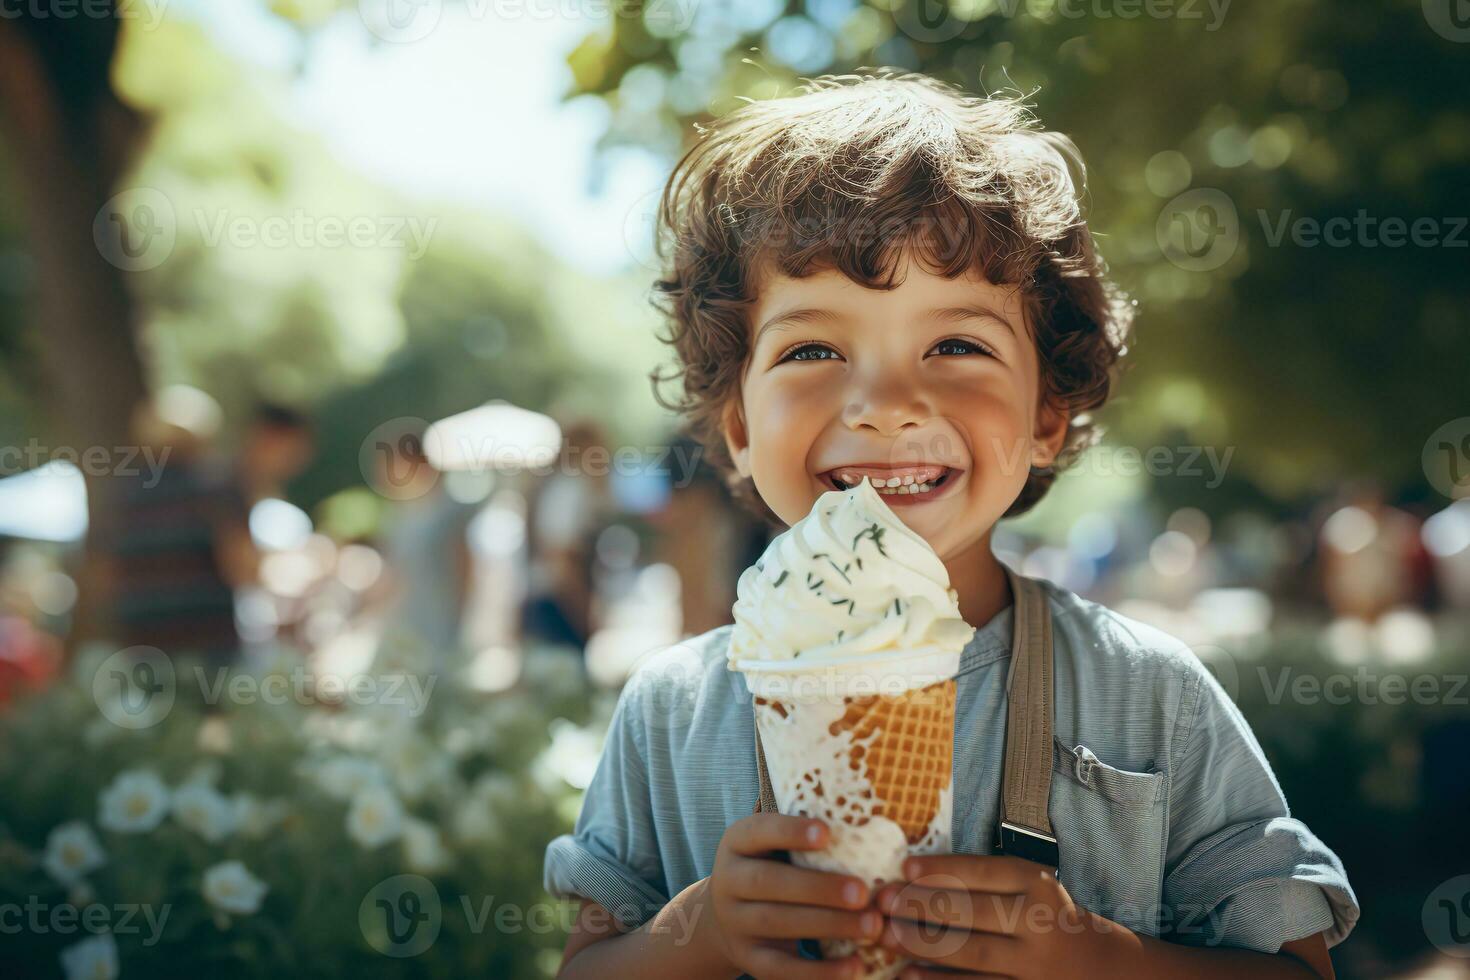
<point x="335" y="506"/>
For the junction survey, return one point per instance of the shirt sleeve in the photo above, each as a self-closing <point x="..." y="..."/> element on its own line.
<point x="611" y="856"/>
<point x="1239" y="871"/>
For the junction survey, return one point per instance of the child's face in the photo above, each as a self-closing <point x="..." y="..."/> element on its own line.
<point x="890" y="377"/>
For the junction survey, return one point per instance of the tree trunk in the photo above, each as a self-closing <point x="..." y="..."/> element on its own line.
<point x="72" y="139"/>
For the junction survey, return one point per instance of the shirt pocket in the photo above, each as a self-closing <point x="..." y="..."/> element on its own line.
<point x="1110" y="827"/>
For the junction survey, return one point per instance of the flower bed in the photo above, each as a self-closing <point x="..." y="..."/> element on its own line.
<point x="284" y="836"/>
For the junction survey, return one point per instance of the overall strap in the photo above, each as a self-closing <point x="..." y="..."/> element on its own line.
<point x="1025" y="829"/>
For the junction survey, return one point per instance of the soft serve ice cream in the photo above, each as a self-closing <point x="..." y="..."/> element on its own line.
<point x="847" y="591"/>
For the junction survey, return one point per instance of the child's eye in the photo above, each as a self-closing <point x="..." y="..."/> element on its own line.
<point x="794" y="354"/>
<point x="962" y="342"/>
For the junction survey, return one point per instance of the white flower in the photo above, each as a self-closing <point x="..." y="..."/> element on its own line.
<point x="417" y="765"/>
<point x="501" y="792"/>
<point x="254" y="817"/>
<point x="475" y="822"/>
<point x="375" y="818"/>
<point x="423" y="848"/>
<point x="94" y="958"/>
<point x="204" y="810"/>
<point x="344" y="776"/>
<point x="72" y="850"/>
<point x="136" y="801"/>
<point x="229" y="887"/>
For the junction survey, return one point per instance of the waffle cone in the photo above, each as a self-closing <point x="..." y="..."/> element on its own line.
<point x="910" y="760"/>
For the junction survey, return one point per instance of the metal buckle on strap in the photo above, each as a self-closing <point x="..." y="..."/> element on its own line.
<point x="1025" y="842"/>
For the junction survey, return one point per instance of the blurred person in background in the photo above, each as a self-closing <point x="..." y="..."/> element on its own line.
<point x="426" y="557"/>
<point x="277" y="445"/>
<point x="705" y="538"/>
<point x="183" y="544"/>
<point x="567" y="510"/>
<point x="1369" y="554"/>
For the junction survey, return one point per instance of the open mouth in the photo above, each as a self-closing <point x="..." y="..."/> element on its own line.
<point x="912" y="489"/>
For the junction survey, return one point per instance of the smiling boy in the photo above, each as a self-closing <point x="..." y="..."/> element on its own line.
<point x="883" y="276"/>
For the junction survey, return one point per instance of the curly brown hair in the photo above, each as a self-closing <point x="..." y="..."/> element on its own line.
<point x="854" y="173"/>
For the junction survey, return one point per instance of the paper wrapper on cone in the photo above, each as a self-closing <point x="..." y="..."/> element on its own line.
<point x="878" y="769"/>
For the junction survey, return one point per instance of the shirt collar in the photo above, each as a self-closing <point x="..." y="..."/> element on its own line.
<point x="990" y="643"/>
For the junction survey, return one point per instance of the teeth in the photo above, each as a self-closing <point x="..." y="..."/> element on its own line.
<point x="853" y="479"/>
<point x="908" y="490"/>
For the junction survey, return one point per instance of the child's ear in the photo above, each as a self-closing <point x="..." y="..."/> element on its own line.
<point x="1050" y="433"/>
<point x="737" y="439"/>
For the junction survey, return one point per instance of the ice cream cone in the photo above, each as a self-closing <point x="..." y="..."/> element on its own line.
<point x="849" y="637"/>
<point x="900" y="749"/>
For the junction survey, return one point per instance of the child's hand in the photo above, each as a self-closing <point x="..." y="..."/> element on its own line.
<point x="763" y="905"/>
<point x="992" y="916"/>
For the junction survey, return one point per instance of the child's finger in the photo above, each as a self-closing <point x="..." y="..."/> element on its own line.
<point x="762" y="832"/>
<point x="777" y="920"/>
<point x="775" y="881"/>
<point x="976" y="873"/>
<point x="954" y="948"/>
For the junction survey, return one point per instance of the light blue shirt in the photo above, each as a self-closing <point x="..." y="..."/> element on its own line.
<point x="1168" y="818"/>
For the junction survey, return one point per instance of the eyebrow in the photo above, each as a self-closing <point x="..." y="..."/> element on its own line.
<point x="947" y="314"/>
